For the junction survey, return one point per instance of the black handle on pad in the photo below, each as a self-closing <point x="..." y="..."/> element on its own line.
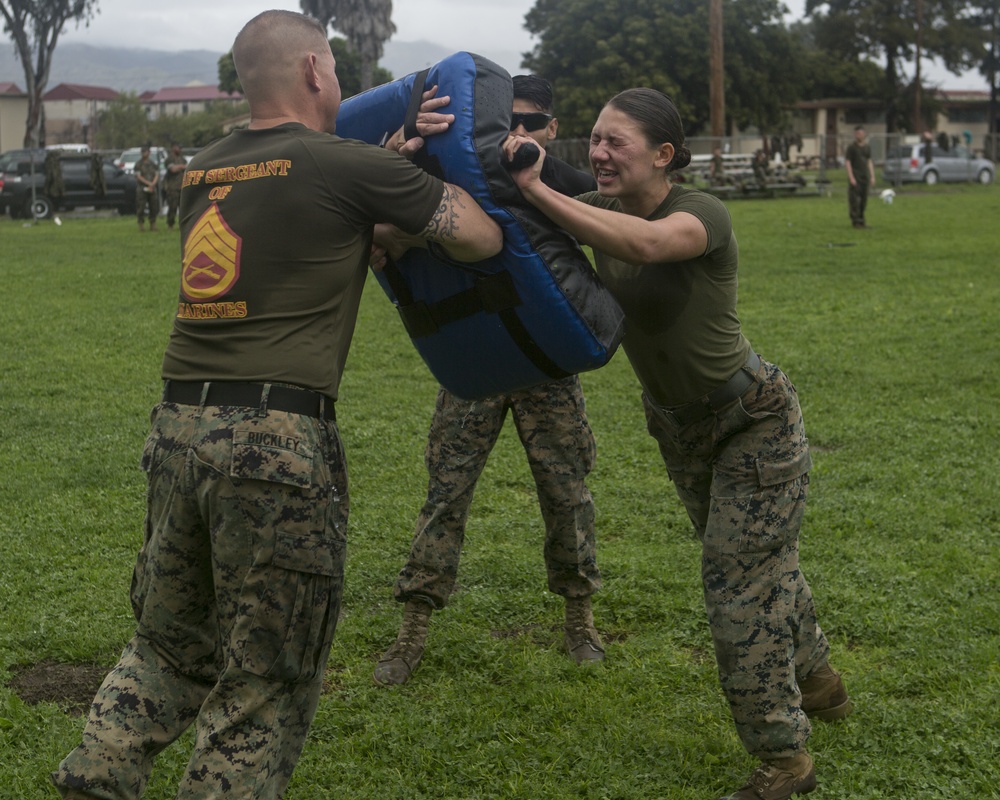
<point x="526" y="155"/>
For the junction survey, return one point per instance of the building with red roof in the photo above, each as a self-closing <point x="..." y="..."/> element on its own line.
<point x="72" y="111"/>
<point x="187" y="100"/>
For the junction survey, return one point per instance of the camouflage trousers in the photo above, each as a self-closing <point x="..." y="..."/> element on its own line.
<point x="173" y="203"/>
<point x="144" y="199"/>
<point x="552" y="424"/>
<point x="742" y="474"/>
<point x="236" y="592"/>
<point x="857" y="200"/>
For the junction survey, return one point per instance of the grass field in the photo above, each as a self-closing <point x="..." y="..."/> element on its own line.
<point x="890" y="335"/>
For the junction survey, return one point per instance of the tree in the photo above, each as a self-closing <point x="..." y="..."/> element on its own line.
<point x="35" y="26"/>
<point x="194" y="130"/>
<point x="348" y="70"/>
<point x="830" y="71"/>
<point x="591" y="49"/>
<point x="350" y="67"/>
<point x="890" y="29"/>
<point x="229" y="81"/>
<point x="986" y="14"/>
<point x="367" y="24"/>
<point x="762" y="66"/>
<point x="122" y="124"/>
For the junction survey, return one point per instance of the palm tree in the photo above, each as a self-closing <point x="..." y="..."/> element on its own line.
<point x="367" y="25"/>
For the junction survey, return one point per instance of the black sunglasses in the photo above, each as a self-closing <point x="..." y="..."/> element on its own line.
<point x="531" y="122"/>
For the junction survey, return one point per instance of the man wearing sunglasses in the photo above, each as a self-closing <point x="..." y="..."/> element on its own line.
<point x="532" y="116"/>
<point x="552" y="425"/>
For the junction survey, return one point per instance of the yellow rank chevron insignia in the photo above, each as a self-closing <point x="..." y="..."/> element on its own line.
<point x="211" y="263"/>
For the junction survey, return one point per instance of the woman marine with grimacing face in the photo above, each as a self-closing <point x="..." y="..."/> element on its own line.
<point x="727" y="423"/>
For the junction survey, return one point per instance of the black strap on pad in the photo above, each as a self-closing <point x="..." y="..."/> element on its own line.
<point x="494" y="294"/>
<point x="429" y="164"/>
<point x="416" y="98"/>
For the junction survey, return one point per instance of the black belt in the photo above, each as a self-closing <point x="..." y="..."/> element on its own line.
<point x="263" y="396"/>
<point x="719" y="398"/>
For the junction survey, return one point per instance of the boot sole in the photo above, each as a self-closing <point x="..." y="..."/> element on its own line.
<point x="833" y="713"/>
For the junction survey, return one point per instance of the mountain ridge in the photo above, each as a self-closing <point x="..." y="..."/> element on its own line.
<point x="127" y="69"/>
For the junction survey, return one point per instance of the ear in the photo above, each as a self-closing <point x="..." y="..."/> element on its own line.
<point x="311" y="73"/>
<point x="552" y="128"/>
<point x="664" y="155"/>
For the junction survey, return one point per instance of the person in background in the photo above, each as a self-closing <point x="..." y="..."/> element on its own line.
<point x="237" y="587"/>
<point x="727" y="423"/>
<point x="927" y="146"/>
<point x="175" y="166"/>
<point x="552" y="424"/>
<point x="717" y="168"/>
<point x="860" y="175"/>
<point x="761" y="170"/>
<point x="147" y="191"/>
<point x="533" y="115"/>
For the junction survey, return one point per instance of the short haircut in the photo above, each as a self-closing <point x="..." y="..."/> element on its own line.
<point x="266" y="50"/>
<point x="535" y="90"/>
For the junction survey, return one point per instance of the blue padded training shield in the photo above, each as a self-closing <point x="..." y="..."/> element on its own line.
<point x="531" y="314"/>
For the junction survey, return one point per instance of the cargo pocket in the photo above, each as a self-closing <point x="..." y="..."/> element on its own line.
<point x="292" y="629"/>
<point x="291" y="597"/>
<point x="272" y="456"/>
<point x="156" y="462"/>
<point x="760" y="510"/>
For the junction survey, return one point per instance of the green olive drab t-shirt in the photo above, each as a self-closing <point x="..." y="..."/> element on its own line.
<point x="276" y="230"/>
<point x="858" y="155"/>
<point x="682" y="334"/>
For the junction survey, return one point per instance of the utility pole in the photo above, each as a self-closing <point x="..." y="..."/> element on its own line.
<point x="918" y="122"/>
<point x="716" y="85"/>
<point x="993" y="104"/>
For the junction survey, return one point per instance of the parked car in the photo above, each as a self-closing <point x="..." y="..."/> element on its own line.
<point x="78" y="188"/>
<point x="11" y="157"/>
<point x="72" y="147"/>
<point x="906" y="164"/>
<point x="9" y="161"/>
<point x="128" y="159"/>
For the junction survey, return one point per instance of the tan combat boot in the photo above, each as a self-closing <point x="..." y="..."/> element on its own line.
<point x="582" y="640"/>
<point x="823" y="694"/>
<point x="778" y="779"/>
<point x="401" y="660"/>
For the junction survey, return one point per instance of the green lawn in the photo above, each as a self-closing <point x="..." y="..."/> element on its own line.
<point x="890" y="335"/>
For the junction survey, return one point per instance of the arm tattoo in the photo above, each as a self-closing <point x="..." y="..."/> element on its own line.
<point x="443" y="225"/>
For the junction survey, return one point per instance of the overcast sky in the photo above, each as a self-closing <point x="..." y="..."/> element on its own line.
<point x="475" y="25"/>
<point x="213" y="24"/>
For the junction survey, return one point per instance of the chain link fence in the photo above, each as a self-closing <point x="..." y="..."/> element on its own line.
<point x="811" y="152"/>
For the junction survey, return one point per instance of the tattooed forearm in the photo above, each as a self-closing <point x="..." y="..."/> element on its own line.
<point x="443" y="226"/>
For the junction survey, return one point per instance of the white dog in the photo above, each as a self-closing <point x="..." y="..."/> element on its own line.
<point x="887" y="196"/>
